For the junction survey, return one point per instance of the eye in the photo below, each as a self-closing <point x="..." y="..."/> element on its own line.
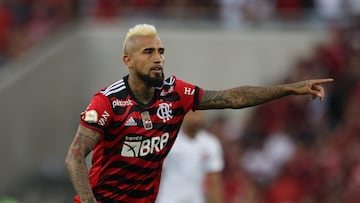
<point x="148" y="51"/>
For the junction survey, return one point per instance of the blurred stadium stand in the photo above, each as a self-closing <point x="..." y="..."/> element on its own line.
<point x="54" y="54"/>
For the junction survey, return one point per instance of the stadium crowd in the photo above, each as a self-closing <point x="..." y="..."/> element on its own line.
<point x="298" y="150"/>
<point x="293" y="150"/>
<point x="25" y="23"/>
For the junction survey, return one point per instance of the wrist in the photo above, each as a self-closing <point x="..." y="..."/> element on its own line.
<point x="290" y="89"/>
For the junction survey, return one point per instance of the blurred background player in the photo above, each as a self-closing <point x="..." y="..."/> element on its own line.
<point x="194" y="165"/>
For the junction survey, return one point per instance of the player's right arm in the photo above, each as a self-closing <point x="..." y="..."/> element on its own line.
<point x="246" y="96"/>
<point x="82" y="144"/>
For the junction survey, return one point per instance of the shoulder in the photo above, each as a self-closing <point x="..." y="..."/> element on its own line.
<point x="111" y="93"/>
<point x="113" y="88"/>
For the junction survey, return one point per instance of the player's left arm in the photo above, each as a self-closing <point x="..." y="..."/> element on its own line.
<point x="214" y="194"/>
<point x="246" y="96"/>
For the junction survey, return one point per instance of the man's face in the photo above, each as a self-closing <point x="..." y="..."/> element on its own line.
<point x="146" y="59"/>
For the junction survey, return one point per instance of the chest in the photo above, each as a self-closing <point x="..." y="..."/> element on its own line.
<point x="129" y="113"/>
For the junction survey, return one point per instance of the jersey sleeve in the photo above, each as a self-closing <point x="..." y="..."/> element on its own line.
<point x="98" y="113"/>
<point x="190" y="94"/>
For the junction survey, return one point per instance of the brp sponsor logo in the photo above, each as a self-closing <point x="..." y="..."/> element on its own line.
<point x="135" y="147"/>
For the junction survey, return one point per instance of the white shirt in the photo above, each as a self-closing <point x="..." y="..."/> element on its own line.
<point x="185" y="168"/>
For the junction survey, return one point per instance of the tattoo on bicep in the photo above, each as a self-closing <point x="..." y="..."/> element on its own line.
<point x="215" y="99"/>
<point x="84" y="141"/>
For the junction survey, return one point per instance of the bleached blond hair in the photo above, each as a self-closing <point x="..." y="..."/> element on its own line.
<point x="140" y="29"/>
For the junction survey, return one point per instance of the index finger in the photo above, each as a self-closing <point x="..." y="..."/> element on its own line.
<point x="326" y="80"/>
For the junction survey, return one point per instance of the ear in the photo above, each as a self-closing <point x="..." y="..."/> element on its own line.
<point x="127" y="60"/>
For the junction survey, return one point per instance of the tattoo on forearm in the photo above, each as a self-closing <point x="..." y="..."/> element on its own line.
<point x="240" y="97"/>
<point x="83" y="143"/>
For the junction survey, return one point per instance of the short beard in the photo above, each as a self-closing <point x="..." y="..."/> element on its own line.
<point x="152" y="82"/>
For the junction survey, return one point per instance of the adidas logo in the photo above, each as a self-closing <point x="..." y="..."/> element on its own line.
<point x="131" y="122"/>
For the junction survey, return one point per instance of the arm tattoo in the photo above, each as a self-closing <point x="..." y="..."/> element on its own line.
<point x="241" y="97"/>
<point x="84" y="141"/>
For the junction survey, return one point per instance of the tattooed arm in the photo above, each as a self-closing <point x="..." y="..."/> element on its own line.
<point x="246" y="96"/>
<point x="84" y="141"/>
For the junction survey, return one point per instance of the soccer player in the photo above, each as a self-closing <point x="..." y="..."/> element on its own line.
<point x="193" y="166"/>
<point x="131" y="125"/>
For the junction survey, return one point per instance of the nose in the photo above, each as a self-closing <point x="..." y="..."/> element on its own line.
<point x="158" y="57"/>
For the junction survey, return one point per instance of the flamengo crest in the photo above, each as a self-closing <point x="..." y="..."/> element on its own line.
<point x="164" y="112"/>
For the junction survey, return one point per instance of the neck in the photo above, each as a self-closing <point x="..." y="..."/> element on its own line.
<point x="142" y="92"/>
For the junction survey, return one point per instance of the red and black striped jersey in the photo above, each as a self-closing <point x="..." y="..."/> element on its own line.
<point x="136" y="137"/>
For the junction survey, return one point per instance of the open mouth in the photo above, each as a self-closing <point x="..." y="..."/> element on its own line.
<point x="156" y="69"/>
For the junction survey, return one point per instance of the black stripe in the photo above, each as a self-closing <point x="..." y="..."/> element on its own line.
<point x="119" y="110"/>
<point x="173" y="97"/>
<point x="178" y="111"/>
<point x="164" y="127"/>
<point x="138" y="194"/>
<point x="95" y="125"/>
<point x="109" y="137"/>
<point x="153" y="157"/>
<point x="100" y="198"/>
<point x="175" y="112"/>
<point x="196" y="95"/>
<point x="116" y="124"/>
<point x="124" y="180"/>
<point x="133" y="168"/>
